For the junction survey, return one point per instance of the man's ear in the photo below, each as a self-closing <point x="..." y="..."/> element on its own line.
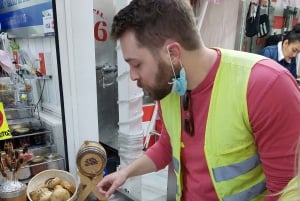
<point x="175" y="52"/>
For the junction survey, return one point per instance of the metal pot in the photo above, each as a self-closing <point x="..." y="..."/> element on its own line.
<point x="37" y="165"/>
<point x="52" y="160"/>
<point x="24" y="173"/>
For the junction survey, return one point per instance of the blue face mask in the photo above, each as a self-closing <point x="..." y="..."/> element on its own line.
<point x="180" y="83"/>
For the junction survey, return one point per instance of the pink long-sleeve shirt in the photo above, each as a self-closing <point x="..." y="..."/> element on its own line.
<point x="274" y="110"/>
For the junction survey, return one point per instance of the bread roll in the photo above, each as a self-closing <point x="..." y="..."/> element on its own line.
<point x="60" y="194"/>
<point x="36" y="194"/>
<point x="45" y="195"/>
<point x="52" y="182"/>
<point x="58" y="186"/>
<point x="68" y="186"/>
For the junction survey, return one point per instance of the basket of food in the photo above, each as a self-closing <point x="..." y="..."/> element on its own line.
<point x="54" y="185"/>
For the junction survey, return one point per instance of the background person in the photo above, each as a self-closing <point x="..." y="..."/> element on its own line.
<point x="226" y="129"/>
<point x="285" y="52"/>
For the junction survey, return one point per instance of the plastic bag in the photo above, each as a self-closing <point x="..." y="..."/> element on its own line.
<point x="6" y="62"/>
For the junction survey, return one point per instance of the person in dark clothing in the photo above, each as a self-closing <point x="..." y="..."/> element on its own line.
<point x="285" y="52"/>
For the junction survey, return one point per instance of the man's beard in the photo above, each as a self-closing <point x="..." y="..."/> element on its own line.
<point x="162" y="87"/>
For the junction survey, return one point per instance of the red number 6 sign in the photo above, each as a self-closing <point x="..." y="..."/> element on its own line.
<point x="100" y="32"/>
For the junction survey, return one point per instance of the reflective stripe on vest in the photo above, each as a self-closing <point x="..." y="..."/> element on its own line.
<point x="234" y="170"/>
<point x="231" y="171"/>
<point x="229" y="145"/>
<point x="248" y="194"/>
<point x="171" y="111"/>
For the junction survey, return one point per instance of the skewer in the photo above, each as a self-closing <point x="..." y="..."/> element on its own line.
<point x="11" y="160"/>
<point x="2" y="168"/>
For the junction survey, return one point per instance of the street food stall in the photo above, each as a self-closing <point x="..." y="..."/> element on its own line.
<point x="64" y="84"/>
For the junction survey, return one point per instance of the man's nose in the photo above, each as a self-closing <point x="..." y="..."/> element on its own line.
<point x="133" y="75"/>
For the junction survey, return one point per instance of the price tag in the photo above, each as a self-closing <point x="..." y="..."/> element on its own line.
<point x="4" y="129"/>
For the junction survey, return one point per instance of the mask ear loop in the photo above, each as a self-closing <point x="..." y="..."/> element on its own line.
<point x="173" y="80"/>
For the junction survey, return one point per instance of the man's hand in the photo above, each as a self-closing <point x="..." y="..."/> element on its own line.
<point x="110" y="183"/>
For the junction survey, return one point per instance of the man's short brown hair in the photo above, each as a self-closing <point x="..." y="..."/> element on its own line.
<point x="154" y="21"/>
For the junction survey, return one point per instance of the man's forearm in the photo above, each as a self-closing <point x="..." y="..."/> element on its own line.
<point x="140" y="166"/>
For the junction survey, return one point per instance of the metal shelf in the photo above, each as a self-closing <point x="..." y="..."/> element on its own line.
<point x="59" y="158"/>
<point x="31" y="134"/>
<point x="46" y="162"/>
<point x="16" y="108"/>
<point x="43" y="77"/>
<point x="21" y="121"/>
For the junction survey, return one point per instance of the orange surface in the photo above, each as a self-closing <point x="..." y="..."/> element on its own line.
<point x="278" y="22"/>
<point x="148" y="111"/>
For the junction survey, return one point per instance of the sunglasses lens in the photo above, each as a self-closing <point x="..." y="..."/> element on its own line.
<point x="188" y="127"/>
<point x="186" y="101"/>
<point x="188" y="121"/>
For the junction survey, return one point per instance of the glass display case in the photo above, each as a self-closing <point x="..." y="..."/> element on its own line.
<point x="29" y="135"/>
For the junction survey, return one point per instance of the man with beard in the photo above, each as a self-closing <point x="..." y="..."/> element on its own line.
<point x="230" y="119"/>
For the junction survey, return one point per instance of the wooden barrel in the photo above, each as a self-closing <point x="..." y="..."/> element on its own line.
<point x="91" y="159"/>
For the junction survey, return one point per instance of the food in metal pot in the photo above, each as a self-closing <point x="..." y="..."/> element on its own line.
<point x="37" y="165"/>
<point x="22" y="130"/>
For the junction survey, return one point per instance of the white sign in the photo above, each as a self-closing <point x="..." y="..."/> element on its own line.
<point x="48" y="22"/>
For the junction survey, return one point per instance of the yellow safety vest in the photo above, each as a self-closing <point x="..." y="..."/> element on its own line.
<point x="230" y="150"/>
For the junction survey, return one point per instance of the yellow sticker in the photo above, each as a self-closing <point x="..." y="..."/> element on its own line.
<point x="4" y="129"/>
